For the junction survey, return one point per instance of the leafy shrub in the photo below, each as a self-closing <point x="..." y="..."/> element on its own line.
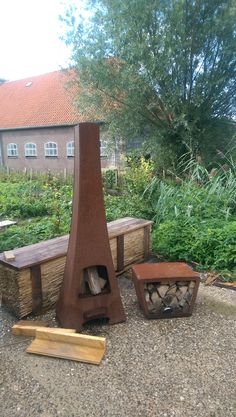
<point x="28" y="232"/>
<point x="24" y="208"/>
<point x="137" y="177"/>
<point x="212" y="246"/>
<point x="127" y="206"/>
<point x="109" y="177"/>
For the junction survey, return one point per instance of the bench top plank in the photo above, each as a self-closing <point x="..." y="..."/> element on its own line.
<point x="38" y="253"/>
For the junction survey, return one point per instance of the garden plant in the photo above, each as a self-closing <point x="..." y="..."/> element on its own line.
<point x="193" y="209"/>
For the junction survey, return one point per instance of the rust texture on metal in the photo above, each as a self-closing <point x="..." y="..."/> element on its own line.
<point x="89" y="289"/>
<point x="166" y="289"/>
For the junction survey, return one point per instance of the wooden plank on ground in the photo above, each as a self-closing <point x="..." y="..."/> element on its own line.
<point x="27" y="327"/>
<point x="229" y="285"/>
<point x="77" y="346"/>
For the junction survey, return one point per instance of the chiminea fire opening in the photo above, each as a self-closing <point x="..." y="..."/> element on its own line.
<point x="95" y="281"/>
<point x="89" y="289"/>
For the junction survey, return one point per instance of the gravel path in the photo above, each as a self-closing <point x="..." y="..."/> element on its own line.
<point x="181" y="367"/>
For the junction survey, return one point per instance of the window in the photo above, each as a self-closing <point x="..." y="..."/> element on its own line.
<point x="70" y="148"/>
<point x="103" y="148"/>
<point x="12" y="149"/>
<point x="30" y="149"/>
<point x="50" y="149"/>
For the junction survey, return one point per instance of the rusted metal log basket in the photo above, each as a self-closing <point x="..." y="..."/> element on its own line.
<point x="166" y="290"/>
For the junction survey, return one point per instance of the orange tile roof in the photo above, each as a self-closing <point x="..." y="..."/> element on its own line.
<point x="38" y="101"/>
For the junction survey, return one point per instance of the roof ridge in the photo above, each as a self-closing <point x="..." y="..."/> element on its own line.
<point x="64" y="70"/>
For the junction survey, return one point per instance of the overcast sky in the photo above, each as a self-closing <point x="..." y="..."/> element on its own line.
<point x="29" y="37"/>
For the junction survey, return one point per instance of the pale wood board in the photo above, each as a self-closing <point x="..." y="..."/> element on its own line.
<point x="78" y="347"/>
<point x="27" y="327"/>
<point x="9" y="255"/>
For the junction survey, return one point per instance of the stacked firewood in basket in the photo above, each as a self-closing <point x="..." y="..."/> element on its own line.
<point x="168" y="297"/>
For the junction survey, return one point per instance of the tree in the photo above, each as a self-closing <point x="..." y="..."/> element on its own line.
<point x="163" y="70"/>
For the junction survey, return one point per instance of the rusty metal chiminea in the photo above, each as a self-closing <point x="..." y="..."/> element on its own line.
<point x="89" y="289"/>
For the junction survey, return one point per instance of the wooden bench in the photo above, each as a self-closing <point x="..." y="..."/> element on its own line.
<point x="31" y="282"/>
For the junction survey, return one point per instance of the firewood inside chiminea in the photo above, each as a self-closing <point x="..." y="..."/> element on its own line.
<point x="95" y="281"/>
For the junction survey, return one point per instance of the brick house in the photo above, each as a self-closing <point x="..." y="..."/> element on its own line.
<point x="37" y="119"/>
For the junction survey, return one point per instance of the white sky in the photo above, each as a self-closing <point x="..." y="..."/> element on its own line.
<point x="29" y="37"/>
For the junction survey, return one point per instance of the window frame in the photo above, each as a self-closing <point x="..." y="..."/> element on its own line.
<point x="103" y="148"/>
<point x="32" y="148"/>
<point x="70" y="146"/>
<point x="54" y="148"/>
<point x="10" y="148"/>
